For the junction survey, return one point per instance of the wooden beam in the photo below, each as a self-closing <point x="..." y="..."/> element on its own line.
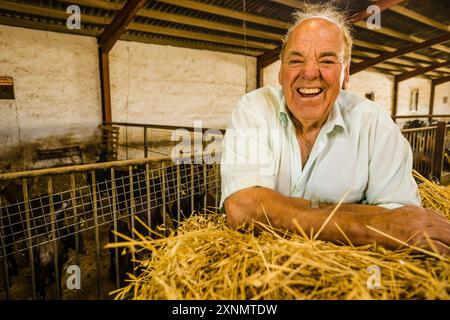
<point x="47" y="26"/>
<point x="105" y="85"/>
<point x="431" y="105"/>
<point x="402" y="36"/>
<point x="184" y="44"/>
<point x="382" y="4"/>
<point x="59" y="14"/>
<point x="200" y="36"/>
<point x="259" y="73"/>
<point x="120" y="23"/>
<point x="399" y="52"/>
<point x="221" y="11"/>
<point x="439" y="81"/>
<point x="105" y="5"/>
<point x="178" y="18"/>
<point x="419" y="17"/>
<point x="414" y="73"/>
<point x="395" y="100"/>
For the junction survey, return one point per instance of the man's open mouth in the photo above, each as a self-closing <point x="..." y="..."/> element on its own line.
<point x="309" y="92"/>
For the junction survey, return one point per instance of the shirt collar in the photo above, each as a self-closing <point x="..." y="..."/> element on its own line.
<point x="335" y="118"/>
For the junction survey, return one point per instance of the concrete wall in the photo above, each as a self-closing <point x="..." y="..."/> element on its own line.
<point x="57" y="93"/>
<point x="175" y="86"/>
<point x="57" y="89"/>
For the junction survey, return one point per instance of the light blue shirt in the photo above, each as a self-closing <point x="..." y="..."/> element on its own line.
<point x="359" y="150"/>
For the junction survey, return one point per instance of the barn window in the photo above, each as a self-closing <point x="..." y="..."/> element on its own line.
<point x="370" y="95"/>
<point x="445" y="100"/>
<point x="6" y="88"/>
<point x="414" y="100"/>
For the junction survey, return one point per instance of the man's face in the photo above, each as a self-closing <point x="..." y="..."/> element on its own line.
<point x="312" y="70"/>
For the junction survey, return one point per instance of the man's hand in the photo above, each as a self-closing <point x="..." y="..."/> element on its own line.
<point x="408" y="224"/>
<point x="416" y="226"/>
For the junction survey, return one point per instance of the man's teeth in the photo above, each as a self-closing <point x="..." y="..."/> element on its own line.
<point x="310" y="90"/>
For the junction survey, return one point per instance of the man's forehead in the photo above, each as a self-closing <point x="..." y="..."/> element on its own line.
<point x="306" y="46"/>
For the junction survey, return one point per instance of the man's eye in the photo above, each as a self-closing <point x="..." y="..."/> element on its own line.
<point x="295" y="61"/>
<point x="327" y="62"/>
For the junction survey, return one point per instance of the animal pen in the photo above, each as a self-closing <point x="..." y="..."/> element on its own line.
<point x="93" y="199"/>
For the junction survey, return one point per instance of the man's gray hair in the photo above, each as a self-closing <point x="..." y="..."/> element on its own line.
<point x="328" y="12"/>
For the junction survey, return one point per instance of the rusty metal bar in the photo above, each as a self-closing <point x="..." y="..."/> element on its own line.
<point x="205" y="185"/>
<point x="178" y="194"/>
<point x="53" y="220"/>
<point x="116" y="250"/>
<point x="145" y="142"/>
<point x="192" y="188"/>
<point x="163" y="195"/>
<point x="2" y="239"/>
<point x="216" y="181"/>
<point x="81" y="168"/>
<point x="147" y="184"/>
<point x="29" y="238"/>
<point x="75" y="220"/>
<point x="133" y="210"/>
<point x="97" y="234"/>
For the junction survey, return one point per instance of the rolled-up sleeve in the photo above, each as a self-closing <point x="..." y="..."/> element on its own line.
<point x="391" y="184"/>
<point x="247" y="158"/>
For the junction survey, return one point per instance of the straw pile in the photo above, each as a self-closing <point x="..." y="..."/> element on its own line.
<point x="208" y="260"/>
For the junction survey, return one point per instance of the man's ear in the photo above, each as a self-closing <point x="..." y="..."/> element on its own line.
<point x="279" y="75"/>
<point x="346" y="77"/>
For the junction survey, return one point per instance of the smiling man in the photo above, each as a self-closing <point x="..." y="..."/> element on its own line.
<point x="291" y="153"/>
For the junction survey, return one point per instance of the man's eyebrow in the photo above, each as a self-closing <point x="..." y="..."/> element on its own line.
<point x="328" y="54"/>
<point x="295" y="53"/>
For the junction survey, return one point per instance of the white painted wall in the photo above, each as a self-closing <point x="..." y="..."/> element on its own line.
<point x="175" y="86"/>
<point x="57" y="92"/>
<point x="57" y="89"/>
<point x="441" y="91"/>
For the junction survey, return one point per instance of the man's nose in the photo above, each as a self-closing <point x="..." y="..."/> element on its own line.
<point x="310" y="70"/>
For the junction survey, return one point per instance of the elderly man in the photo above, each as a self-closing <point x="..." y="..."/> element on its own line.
<point x="316" y="143"/>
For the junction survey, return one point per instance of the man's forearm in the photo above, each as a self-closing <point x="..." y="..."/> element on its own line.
<point x="260" y="204"/>
<point x="407" y="224"/>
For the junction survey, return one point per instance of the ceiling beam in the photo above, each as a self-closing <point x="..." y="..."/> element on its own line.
<point x="47" y="26"/>
<point x="184" y="44"/>
<point x="178" y="18"/>
<point x="89" y="19"/>
<point x="399" y="52"/>
<point x="120" y="24"/>
<point x="382" y="4"/>
<point x="270" y="57"/>
<point x="221" y="11"/>
<point x="414" y="73"/>
<point x="441" y="80"/>
<point x="399" y="35"/>
<point x="420" y="18"/>
<point x="200" y="36"/>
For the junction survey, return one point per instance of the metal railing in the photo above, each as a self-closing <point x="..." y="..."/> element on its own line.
<point x="63" y="205"/>
<point x="429" y="145"/>
<point x="147" y="140"/>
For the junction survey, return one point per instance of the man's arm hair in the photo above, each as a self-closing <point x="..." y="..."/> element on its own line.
<point x="406" y="223"/>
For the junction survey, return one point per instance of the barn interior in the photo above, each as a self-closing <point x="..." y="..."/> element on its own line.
<point x="96" y="95"/>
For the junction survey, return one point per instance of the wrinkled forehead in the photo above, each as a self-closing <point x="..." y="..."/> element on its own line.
<point x="316" y="34"/>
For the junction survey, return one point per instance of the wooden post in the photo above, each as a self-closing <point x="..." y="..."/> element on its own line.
<point x="431" y="107"/>
<point x="259" y="73"/>
<point x="438" y="157"/>
<point x="395" y="99"/>
<point x="105" y="86"/>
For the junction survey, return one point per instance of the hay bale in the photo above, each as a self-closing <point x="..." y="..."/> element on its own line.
<point x="208" y="260"/>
